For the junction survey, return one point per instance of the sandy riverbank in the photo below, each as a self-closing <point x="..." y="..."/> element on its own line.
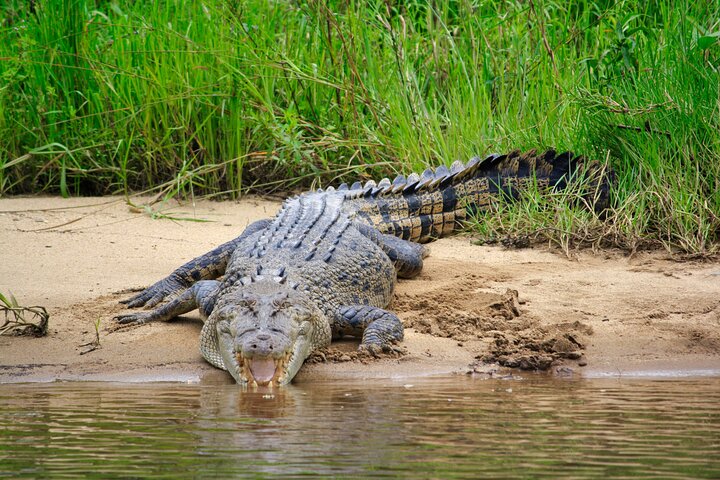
<point x="594" y="314"/>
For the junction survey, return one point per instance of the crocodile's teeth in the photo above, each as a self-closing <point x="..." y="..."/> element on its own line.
<point x="263" y="371"/>
<point x="282" y="365"/>
<point x="243" y="368"/>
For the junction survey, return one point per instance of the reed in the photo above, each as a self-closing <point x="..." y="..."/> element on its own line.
<point x="221" y="97"/>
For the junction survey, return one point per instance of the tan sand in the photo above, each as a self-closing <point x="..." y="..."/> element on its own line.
<point x="594" y="314"/>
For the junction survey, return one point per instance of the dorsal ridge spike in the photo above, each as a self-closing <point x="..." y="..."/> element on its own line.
<point x="457" y="166"/>
<point x="441" y="172"/>
<point x="376" y="191"/>
<point x="474" y="161"/>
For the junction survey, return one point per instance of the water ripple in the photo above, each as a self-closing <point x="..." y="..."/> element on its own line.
<point x="438" y="428"/>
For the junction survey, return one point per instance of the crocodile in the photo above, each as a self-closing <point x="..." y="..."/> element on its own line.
<point x="326" y="265"/>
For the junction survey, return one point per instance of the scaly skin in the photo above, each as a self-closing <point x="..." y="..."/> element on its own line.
<point x="326" y="265"/>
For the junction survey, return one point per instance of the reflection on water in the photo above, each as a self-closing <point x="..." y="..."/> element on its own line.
<point x="436" y="428"/>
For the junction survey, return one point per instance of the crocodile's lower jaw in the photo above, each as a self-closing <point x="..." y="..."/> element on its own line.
<point x="263" y="371"/>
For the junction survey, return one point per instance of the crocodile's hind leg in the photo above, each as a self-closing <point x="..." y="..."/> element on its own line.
<point x="201" y="295"/>
<point x="407" y="256"/>
<point x="205" y="267"/>
<point x="379" y="328"/>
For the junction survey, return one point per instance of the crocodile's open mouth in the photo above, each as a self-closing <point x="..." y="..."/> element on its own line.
<point x="263" y="371"/>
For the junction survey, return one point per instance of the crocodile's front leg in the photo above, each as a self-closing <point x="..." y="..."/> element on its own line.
<point x="201" y="295"/>
<point x="205" y="267"/>
<point x="380" y="329"/>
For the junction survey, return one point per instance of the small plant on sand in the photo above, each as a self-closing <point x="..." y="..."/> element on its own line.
<point x="95" y="343"/>
<point x="18" y="320"/>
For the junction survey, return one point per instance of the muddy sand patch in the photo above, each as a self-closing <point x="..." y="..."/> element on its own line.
<point x="515" y="338"/>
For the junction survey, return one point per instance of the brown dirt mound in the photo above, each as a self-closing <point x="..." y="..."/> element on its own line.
<point x="461" y="312"/>
<point x="538" y="347"/>
<point x="464" y="311"/>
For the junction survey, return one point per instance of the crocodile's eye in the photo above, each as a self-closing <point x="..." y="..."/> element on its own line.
<point x="282" y="304"/>
<point x="242" y="304"/>
<point x="247" y="303"/>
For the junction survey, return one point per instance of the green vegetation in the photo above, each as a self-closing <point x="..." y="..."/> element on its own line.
<point x="216" y="97"/>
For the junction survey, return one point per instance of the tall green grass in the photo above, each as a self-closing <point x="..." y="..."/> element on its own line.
<point x="216" y="97"/>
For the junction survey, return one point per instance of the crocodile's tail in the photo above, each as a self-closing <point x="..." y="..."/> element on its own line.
<point x="426" y="206"/>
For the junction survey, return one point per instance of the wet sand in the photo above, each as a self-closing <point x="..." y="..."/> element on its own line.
<point x="471" y="309"/>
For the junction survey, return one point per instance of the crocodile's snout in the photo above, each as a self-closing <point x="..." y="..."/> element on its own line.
<point x="262" y="345"/>
<point x="263" y="355"/>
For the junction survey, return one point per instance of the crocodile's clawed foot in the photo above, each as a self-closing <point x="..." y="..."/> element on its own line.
<point x="149" y="298"/>
<point x="130" y="319"/>
<point x="380" y="350"/>
<point x="156" y="293"/>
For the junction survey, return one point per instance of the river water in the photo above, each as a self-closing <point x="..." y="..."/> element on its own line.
<point x="449" y="427"/>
